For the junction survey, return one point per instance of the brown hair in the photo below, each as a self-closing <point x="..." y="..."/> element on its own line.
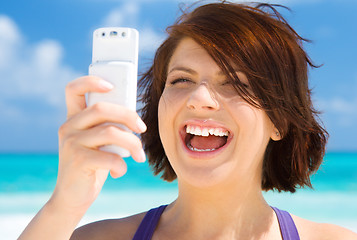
<point x="260" y="42"/>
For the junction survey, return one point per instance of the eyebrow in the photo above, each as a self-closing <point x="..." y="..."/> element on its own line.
<point x="191" y="71"/>
<point x="183" y="69"/>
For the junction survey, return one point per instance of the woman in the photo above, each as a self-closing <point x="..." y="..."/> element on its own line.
<point x="229" y="114"/>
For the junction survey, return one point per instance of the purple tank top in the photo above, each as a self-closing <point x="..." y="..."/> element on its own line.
<point x="287" y="226"/>
<point x="148" y="224"/>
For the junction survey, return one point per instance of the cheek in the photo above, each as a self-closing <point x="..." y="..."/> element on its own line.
<point x="254" y="125"/>
<point x="244" y="114"/>
<point x="170" y="103"/>
<point x="162" y="120"/>
<point x="166" y="105"/>
<point x="175" y="95"/>
<point x="252" y="122"/>
<point x="167" y="110"/>
<point x="162" y="112"/>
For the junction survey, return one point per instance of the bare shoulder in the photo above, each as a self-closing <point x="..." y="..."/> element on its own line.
<point x="322" y="231"/>
<point x="119" y="229"/>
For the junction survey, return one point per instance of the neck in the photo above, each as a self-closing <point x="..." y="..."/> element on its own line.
<point x="220" y="211"/>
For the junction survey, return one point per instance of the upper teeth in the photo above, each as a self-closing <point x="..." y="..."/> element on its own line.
<point x="203" y="131"/>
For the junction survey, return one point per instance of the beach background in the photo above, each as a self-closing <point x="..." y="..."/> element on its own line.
<point x="45" y="44"/>
<point x="27" y="181"/>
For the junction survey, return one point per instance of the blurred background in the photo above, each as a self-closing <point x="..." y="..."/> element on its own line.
<point x="46" y="44"/>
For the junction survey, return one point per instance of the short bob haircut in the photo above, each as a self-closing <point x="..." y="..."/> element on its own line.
<point x="260" y="42"/>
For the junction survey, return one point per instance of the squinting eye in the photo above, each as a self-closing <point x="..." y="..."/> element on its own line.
<point x="180" y="80"/>
<point x="227" y="83"/>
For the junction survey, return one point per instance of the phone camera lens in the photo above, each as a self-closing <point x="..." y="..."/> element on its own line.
<point x="113" y="33"/>
<point x="103" y="34"/>
<point x="123" y="34"/>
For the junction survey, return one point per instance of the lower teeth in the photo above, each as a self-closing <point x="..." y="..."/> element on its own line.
<point x="199" y="150"/>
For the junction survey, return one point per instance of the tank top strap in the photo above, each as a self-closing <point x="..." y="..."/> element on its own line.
<point x="148" y="224"/>
<point x="287" y="226"/>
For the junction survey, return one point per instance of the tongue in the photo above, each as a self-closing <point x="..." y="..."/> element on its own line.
<point x="210" y="142"/>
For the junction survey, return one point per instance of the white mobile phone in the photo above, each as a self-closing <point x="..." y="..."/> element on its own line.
<point x="115" y="59"/>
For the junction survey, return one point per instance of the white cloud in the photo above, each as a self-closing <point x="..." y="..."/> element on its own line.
<point x="150" y="40"/>
<point x="47" y="56"/>
<point x="114" y="18"/>
<point x="9" y="40"/>
<point x="341" y="111"/>
<point x="127" y="15"/>
<point x="340" y="105"/>
<point x="9" y="30"/>
<point x="30" y="72"/>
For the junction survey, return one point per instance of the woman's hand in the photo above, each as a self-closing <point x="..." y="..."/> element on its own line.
<point x="83" y="168"/>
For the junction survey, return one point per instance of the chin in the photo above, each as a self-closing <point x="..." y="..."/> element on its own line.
<point x="204" y="175"/>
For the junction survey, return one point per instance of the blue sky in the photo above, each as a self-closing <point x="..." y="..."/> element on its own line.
<point x="45" y="44"/>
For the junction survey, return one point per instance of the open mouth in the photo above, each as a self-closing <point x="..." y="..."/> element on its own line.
<point x="205" y="139"/>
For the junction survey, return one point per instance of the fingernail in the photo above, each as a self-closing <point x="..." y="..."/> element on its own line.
<point x="105" y="84"/>
<point x="141" y="125"/>
<point x="142" y="156"/>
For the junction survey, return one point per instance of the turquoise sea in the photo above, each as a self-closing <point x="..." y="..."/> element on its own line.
<point x="27" y="180"/>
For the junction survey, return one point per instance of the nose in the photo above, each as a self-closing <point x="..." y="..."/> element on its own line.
<point x="202" y="98"/>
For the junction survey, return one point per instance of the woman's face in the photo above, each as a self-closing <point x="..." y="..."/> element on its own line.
<point x="209" y="133"/>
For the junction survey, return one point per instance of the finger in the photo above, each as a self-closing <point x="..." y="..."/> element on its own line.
<point x="107" y="112"/>
<point x="76" y="90"/>
<point x="109" y="134"/>
<point x="99" y="160"/>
